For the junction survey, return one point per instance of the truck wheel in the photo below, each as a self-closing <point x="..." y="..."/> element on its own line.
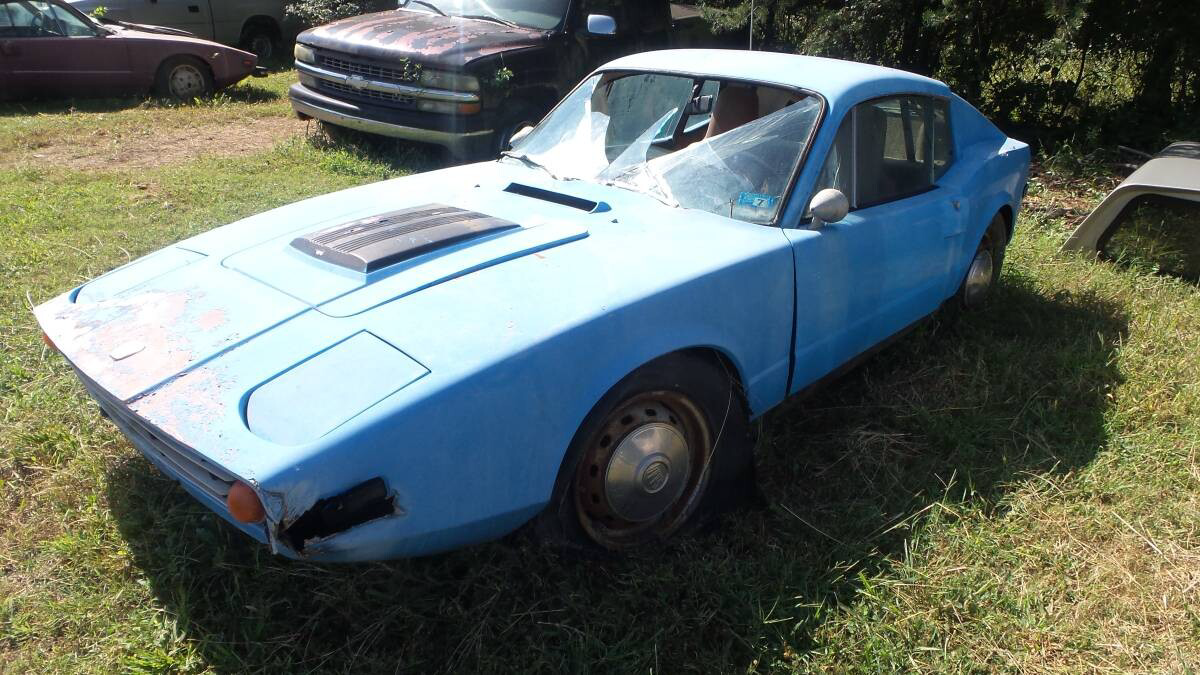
<point x="259" y="39"/>
<point x="183" y="78"/>
<point x="654" y="456"/>
<point x="519" y="116"/>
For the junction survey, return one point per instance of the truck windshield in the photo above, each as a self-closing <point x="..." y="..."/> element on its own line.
<point x="539" y="14"/>
<point x="732" y="152"/>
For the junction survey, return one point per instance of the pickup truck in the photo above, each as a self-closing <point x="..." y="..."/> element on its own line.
<point x="468" y="74"/>
<point x="253" y="25"/>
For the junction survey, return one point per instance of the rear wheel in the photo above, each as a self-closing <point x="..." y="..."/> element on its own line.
<point x="259" y="39"/>
<point x="984" y="269"/>
<point x="653" y="457"/>
<point x="183" y="78"/>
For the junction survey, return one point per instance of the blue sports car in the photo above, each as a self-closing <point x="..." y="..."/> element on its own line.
<point x="575" y="334"/>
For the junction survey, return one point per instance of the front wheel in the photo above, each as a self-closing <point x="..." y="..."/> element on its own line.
<point x="184" y="78"/>
<point x="651" y="457"/>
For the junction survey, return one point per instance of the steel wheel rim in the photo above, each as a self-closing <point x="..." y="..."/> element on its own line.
<point x="186" y="81"/>
<point x="643" y="472"/>
<point x="979" y="277"/>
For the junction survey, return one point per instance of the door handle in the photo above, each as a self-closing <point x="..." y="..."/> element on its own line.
<point x="9" y="49"/>
<point x="194" y="9"/>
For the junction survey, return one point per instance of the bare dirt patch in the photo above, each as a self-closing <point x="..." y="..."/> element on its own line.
<point x="145" y="147"/>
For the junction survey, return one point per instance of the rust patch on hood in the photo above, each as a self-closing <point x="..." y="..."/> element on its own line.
<point x="126" y="344"/>
<point x="189" y="407"/>
<point x="424" y="38"/>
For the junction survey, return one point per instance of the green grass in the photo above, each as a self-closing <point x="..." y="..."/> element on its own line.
<point x="1016" y="489"/>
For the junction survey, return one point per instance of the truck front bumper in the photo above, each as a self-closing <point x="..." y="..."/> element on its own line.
<point x="462" y="136"/>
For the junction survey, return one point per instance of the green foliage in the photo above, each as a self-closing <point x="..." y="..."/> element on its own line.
<point x="99" y="12"/>
<point x="320" y="12"/>
<point x="1113" y="70"/>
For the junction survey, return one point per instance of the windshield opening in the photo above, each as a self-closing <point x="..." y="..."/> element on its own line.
<point x="539" y="14"/>
<point x="726" y="147"/>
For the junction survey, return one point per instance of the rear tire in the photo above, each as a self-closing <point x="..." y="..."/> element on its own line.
<point x="659" y="454"/>
<point x="519" y="116"/>
<point x="183" y="78"/>
<point x="983" y="272"/>
<point x="260" y="39"/>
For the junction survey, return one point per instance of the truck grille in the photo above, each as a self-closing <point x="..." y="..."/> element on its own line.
<point x="187" y="464"/>
<point x="406" y="100"/>
<point x="406" y="74"/>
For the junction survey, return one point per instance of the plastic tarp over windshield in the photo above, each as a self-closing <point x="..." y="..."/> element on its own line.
<point x="743" y="173"/>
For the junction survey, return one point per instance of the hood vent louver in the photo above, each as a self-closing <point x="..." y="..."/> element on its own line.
<point x="369" y="244"/>
<point x="557" y="198"/>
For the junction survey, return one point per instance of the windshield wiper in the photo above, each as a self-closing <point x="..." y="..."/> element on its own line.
<point x="532" y="163"/>
<point x="430" y="5"/>
<point x="488" y="17"/>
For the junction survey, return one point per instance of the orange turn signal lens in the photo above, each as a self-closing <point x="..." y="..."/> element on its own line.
<point x="49" y="342"/>
<point x="244" y="504"/>
<point x="469" y="108"/>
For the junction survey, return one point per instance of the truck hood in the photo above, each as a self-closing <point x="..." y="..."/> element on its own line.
<point x="429" y="39"/>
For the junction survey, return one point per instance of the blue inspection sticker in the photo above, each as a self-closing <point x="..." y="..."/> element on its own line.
<point x="757" y="201"/>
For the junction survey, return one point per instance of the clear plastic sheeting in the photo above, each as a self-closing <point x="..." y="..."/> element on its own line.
<point x="634" y="132"/>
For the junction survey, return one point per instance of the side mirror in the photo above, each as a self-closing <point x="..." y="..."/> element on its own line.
<point x="828" y="206"/>
<point x="601" y="24"/>
<point x="516" y="137"/>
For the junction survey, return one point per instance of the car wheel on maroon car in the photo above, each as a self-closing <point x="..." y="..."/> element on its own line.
<point x="984" y="269"/>
<point x="667" y="447"/>
<point x="183" y="78"/>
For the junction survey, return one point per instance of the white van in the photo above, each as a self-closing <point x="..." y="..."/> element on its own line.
<point x="253" y="25"/>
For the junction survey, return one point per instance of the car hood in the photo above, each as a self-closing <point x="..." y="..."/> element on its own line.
<point x="426" y="38"/>
<point x="146" y="323"/>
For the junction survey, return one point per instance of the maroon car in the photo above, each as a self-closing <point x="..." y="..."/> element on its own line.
<point x="49" y="48"/>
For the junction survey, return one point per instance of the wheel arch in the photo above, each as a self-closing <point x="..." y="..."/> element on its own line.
<point x="264" y="20"/>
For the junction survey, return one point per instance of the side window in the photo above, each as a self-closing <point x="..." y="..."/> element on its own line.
<point x="7" y="30"/>
<point x="69" y="24"/>
<point x="837" y="172"/>
<point x="943" y="142"/>
<point x="892" y="153"/>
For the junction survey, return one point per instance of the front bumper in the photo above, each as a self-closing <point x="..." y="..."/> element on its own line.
<point x="462" y="136"/>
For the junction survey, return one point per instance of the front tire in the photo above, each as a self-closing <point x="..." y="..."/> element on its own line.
<point x="183" y="78"/>
<point x="652" y="458"/>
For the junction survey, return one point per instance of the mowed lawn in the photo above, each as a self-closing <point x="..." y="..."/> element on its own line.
<point x="1015" y="489"/>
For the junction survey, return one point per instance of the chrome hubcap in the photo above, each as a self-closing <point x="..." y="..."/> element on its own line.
<point x="186" y="81"/>
<point x="647" y="472"/>
<point x="643" y="471"/>
<point x="979" y="278"/>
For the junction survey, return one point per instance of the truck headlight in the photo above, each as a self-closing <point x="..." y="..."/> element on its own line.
<point x="440" y="79"/>
<point x="304" y="53"/>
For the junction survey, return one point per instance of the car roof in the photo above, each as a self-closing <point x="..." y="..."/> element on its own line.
<point x="832" y="78"/>
<point x="1174" y="172"/>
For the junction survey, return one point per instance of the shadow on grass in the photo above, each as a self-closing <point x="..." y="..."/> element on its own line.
<point x="246" y="92"/>
<point x="957" y="413"/>
<point x="395" y="153"/>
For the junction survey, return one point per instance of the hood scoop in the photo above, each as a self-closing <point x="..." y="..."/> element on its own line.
<point x="370" y="244"/>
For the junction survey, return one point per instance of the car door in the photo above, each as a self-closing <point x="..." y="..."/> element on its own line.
<point x="194" y="16"/>
<point x="867" y="277"/>
<point x="55" y="50"/>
